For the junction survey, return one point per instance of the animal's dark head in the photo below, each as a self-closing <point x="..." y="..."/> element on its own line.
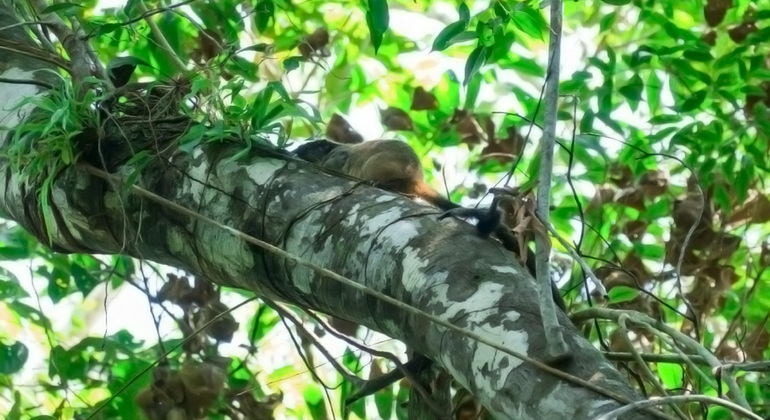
<point x="315" y="151"/>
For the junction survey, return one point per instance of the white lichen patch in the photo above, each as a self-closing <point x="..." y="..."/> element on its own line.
<point x="414" y="268"/>
<point x="194" y="182"/>
<point x="229" y="252"/>
<point x="384" y="198"/>
<point x="487" y="295"/>
<point x="505" y="269"/>
<point x="487" y="359"/>
<point x="177" y="243"/>
<point x="385" y="219"/>
<point x="262" y="172"/>
<point x="13" y="94"/>
<point x="73" y="221"/>
<point x="554" y="404"/>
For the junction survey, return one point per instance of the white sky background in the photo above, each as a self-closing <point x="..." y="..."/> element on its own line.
<point x="127" y="308"/>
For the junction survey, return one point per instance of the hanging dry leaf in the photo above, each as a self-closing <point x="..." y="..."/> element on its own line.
<point x="504" y="150"/>
<point x="466" y="126"/>
<point x="757" y="342"/>
<point x="315" y="44"/>
<point x="396" y="119"/>
<point x="423" y="100"/>
<point x="756" y="210"/>
<point x="620" y="175"/>
<point x="739" y="33"/>
<point x="343" y="327"/>
<point x="653" y="183"/>
<point x="686" y="212"/>
<point x="341" y="131"/>
<point x="710" y="38"/>
<point x="635" y="229"/>
<point x="603" y="195"/>
<point x="715" y="11"/>
<point x="210" y="44"/>
<point x="631" y="197"/>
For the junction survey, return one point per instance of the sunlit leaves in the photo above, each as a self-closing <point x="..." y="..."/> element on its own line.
<point x="475" y="61"/>
<point x="60" y="8"/>
<point x="444" y="38"/>
<point x="12" y="357"/>
<point x="377" y="18"/>
<point x="263" y="12"/>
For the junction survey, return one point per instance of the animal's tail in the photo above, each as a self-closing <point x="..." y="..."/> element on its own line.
<point x="427" y="193"/>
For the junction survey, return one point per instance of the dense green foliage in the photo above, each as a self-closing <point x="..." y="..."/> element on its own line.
<point x="663" y="132"/>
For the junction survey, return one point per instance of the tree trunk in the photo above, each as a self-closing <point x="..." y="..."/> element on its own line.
<point x="379" y="239"/>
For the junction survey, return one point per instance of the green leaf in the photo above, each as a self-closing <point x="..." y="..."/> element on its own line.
<point x="473" y="91"/>
<point x="665" y="119"/>
<point x="384" y="400"/>
<point x="693" y="101"/>
<point x="617" y="2"/>
<point x="620" y="294"/>
<point x="444" y="38"/>
<point x="292" y="63"/>
<point x="465" y="13"/>
<point x="698" y="55"/>
<point x="377" y="18"/>
<point x="107" y="29"/>
<point x="13" y="357"/>
<point x="653" y="87"/>
<point x="264" y="12"/>
<point x="671" y="374"/>
<point x="529" y="22"/>
<point x="129" y="7"/>
<point x="261" y="47"/>
<point x="475" y="61"/>
<point x="633" y="89"/>
<point x="314" y="401"/>
<point x="59" y="7"/>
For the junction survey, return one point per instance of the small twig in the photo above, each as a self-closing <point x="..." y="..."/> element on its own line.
<point x="148" y="14"/>
<point x="355" y="380"/>
<point x="583" y="264"/>
<point x="160" y="38"/>
<point x="614" y="414"/>
<point x="646" y="372"/>
<point x="655" y="358"/>
<point x="747" y="367"/>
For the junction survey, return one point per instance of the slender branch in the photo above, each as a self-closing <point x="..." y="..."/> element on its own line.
<point x="656" y="358"/>
<point x="80" y="61"/>
<point x="571" y="250"/>
<point x="646" y="372"/>
<point x="25" y="82"/>
<point x="734" y="391"/>
<point x="556" y="347"/>
<point x="614" y="414"/>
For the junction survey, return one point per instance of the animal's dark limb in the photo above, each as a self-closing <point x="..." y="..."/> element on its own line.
<point x="418" y="364"/>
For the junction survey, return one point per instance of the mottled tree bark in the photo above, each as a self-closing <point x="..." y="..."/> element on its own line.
<point x="382" y="240"/>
